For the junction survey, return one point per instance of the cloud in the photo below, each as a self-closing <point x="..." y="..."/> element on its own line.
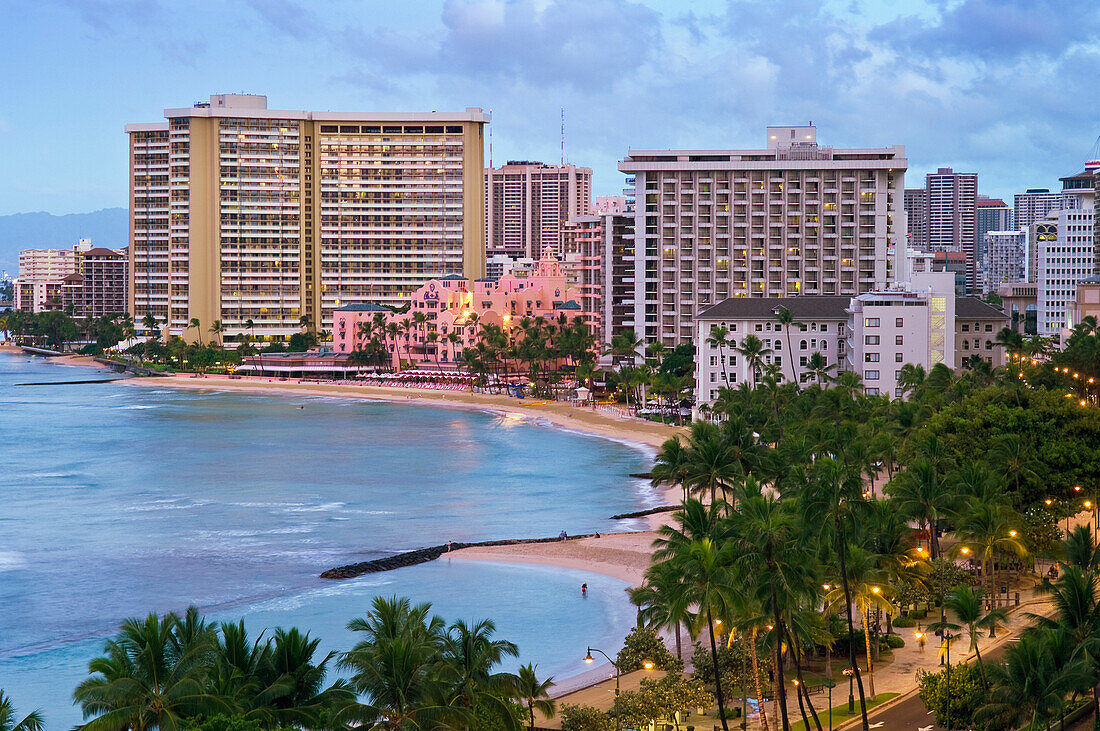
<point x="998" y="29"/>
<point x="577" y="43"/>
<point x="286" y="17"/>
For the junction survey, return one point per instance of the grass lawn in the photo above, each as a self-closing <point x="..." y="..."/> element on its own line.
<point x="840" y="712"/>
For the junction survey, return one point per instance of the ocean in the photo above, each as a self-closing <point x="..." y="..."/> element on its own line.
<point x="119" y="500"/>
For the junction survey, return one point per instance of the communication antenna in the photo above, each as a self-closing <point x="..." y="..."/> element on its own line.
<point x="490" y="138"/>
<point x="563" y="135"/>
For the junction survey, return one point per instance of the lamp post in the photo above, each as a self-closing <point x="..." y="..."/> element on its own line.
<point x="830" y="684"/>
<point x="851" y="694"/>
<point x="588" y="659"/>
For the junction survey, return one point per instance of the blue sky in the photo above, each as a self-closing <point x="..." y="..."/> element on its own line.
<point x="1002" y="87"/>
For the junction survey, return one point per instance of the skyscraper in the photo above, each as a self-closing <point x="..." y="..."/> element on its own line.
<point x="990" y="214"/>
<point x="1068" y="257"/>
<point x="793" y="218"/>
<point x="527" y="203"/>
<point x="248" y="215"/>
<point x="916" y="214"/>
<point x="1034" y="205"/>
<point x="950" y="204"/>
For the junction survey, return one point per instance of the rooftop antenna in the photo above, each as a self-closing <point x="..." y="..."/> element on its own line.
<point x="490" y="138"/>
<point x="563" y="135"/>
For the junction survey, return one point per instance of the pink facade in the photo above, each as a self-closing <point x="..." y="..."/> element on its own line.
<point x="454" y="310"/>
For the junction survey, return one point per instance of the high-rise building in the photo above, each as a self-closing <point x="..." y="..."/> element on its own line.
<point x="1066" y="258"/>
<point x="604" y="246"/>
<point x="916" y="214"/>
<point x="792" y="219"/>
<point x="1004" y="259"/>
<point x="990" y="214"/>
<point x="950" y="204"/>
<point x="41" y="274"/>
<point x="1034" y="205"/>
<point x="263" y="219"/>
<point x="527" y="203"/>
<point x="104" y="283"/>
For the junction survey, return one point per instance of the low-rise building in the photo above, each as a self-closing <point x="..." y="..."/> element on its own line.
<point x="445" y="315"/>
<point x="891" y="328"/>
<point x="976" y="326"/>
<point x="820" y="328"/>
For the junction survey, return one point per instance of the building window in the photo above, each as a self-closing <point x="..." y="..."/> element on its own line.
<point x="989" y="345"/>
<point x="871" y="391"/>
<point x="759" y="327"/>
<point x="870" y="322"/>
<point x="824" y="344"/>
<point x="870" y="357"/>
<point x="802" y="345"/>
<point x="898" y="358"/>
<point x="777" y="360"/>
<point x="989" y="327"/>
<point x="714" y="360"/>
<point x="899" y="322"/>
<point x="870" y="339"/>
<point x="824" y="327"/>
<point x="966" y="328"/>
<point x="898" y="340"/>
<point x="870" y="375"/>
<point x="713" y="377"/>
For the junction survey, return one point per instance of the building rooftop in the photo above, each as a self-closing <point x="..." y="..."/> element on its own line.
<point x="100" y="251"/>
<point x="364" y="307"/>
<point x="972" y="308"/>
<point x="802" y="307"/>
<point x="570" y="305"/>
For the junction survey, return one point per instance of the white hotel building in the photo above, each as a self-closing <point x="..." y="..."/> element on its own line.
<point x="794" y="218"/>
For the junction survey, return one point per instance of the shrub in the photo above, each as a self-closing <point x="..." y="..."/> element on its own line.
<point x="904" y="621"/>
<point x="894" y="642"/>
<point x="967" y="694"/>
<point x="585" y="718"/>
<point x="643" y="644"/>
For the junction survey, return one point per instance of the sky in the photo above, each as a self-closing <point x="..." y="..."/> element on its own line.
<point x="1005" y="88"/>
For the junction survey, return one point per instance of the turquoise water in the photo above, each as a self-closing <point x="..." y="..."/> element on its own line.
<point x="120" y="500"/>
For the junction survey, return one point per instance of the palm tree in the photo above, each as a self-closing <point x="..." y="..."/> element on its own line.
<point x="866" y="582"/>
<point x="921" y="493"/>
<point x="152" y="675"/>
<point x="469" y="655"/>
<point x="696" y="550"/>
<point x="534" y="693"/>
<point x="216" y="329"/>
<point x="671" y="465"/>
<point x="786" y="320"/>
<point x="966" y="603"/>
<point x="395" y="666"/>
<point x="1031" y="686"/>
<point x="709" y="467"/>
<point x="719" y="338"/>
<point x="753" y="351"/>
<point x="819" y="366"/>
<point x="660" y="602"/>
<point x="251" y="327"/>
<point x="988" y="528"/>
<point x="773" y="563"/>
<point x="198" y="328"/>
<point x="624" y="347"/>
<point x="31" y="722"/>
<point x="1015" y="459"/>
<point x="150" y="323"/>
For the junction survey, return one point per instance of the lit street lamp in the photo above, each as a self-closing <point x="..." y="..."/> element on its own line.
<point x="851" y="673"/>
<point x="589" y="660"/>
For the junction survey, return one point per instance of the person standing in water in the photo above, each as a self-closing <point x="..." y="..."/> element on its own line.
<point x="584" y="589"/>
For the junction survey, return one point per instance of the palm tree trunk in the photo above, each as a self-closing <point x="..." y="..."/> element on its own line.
<point x="981" y="666"/>
<point x="679" y="650"/>
<point x="802" y="689"/>
<point x="843" y="555"/>
<point x="782" y="694"/>
<point x="717" y="673"/>
<point x="756" y="682"/>
<point x="870" y="666"/>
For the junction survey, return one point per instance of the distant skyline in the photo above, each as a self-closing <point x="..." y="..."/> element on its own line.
<point x="998" y="87"/>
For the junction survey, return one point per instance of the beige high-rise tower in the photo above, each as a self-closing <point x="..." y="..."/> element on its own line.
<point x="239" y="213"/>
<point x="528" y="203"/>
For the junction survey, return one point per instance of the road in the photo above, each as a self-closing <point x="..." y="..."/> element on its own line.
<point x="910" y="714"/>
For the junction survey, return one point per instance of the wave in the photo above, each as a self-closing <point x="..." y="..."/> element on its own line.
<point x="11" y="560"/>
<point x="138" y="407"/>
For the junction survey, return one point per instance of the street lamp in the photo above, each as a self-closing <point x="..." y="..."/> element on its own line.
<point x="830" y="684"/>
<point x="588" y="659"/>
<point x="851" y="673"/>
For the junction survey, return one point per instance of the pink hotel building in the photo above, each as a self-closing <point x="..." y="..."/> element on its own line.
<point x="457" y="305"/>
